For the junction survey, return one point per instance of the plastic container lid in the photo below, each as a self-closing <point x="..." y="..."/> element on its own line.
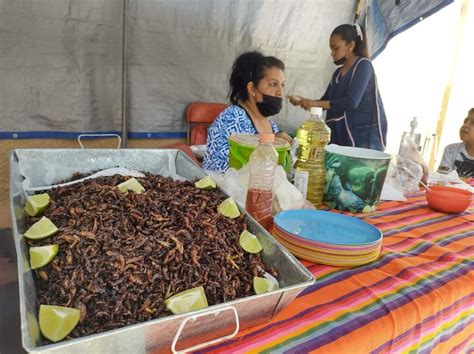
<point x="251" y="140"/>
<point x="317" y="111"/>
<point x="242" y="145"/>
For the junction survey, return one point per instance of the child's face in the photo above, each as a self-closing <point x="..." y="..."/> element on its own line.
<point x="466" y="133"/>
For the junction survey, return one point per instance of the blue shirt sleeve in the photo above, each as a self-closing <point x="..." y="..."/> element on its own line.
<point x="233" y="120"/>
<point x="326" y="94"/>
<point x="274" y="127"/>
<point x="362" y="74"/>
<point x="325" y="97"/>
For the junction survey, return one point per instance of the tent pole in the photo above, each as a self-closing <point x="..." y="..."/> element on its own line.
<point x="360" y="6"/>
<point x="124" y="73"/>
<point x="447" y="89"/>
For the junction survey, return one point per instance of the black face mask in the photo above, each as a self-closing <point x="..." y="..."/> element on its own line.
<point x="340" y="61"/>
<point x="270" y="106"/>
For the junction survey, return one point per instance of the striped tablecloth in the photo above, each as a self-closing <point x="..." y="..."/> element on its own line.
<point x="417" y="297"/>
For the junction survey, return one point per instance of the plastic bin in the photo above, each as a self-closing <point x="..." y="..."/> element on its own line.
<point x="242" y="145"/>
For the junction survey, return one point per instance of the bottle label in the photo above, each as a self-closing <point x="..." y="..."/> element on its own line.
<point x="301" y="182"/>
<point x="317" y="154"/>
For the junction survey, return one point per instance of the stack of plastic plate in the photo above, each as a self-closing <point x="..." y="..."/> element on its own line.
<point x="327" y="238"/>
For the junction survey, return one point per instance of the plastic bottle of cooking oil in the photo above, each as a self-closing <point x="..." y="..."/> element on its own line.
<point x="313" y="135"/>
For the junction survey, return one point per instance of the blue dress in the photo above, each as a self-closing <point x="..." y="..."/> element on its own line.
<point x="233" y="120"/>
<point x="357" y="116"/>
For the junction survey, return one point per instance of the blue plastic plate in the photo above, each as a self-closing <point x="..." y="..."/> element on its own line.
<point x="326" y="227"/>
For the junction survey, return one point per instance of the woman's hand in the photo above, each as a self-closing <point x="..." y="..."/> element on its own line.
<point x="295" y="100"/>
<point x="307" y="104"/>
<point x="284" y="136"/>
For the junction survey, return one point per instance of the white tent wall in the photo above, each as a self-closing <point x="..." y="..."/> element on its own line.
<point x="61" y="61"/>
<point x="60" y="66"/>
<point x="182" y="51"/>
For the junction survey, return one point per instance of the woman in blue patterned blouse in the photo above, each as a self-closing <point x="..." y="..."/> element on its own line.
<point x="256" y="93"/>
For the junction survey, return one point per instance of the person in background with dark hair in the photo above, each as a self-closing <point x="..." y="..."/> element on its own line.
<point x="355" y="111"/>
<point x="460" y="156"/>
<point x="256" y="93"/>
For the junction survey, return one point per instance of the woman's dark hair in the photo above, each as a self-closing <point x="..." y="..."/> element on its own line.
<point x="348" y="33"/>
<point x="249" y="67"/>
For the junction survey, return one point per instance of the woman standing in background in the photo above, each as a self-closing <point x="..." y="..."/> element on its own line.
<point x="355" y="111"/>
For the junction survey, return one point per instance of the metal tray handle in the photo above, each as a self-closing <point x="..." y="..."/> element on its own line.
<point x="99" y="136"/>
<point x="205" y="344"/>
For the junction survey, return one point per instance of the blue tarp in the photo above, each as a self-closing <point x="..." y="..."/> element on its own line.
<point x="384" y="19"/>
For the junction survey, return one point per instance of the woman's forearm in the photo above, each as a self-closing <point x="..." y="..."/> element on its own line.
<point x="307" y="104"/>
<point x="324" y="104"/>
<point x="284" y="136"/>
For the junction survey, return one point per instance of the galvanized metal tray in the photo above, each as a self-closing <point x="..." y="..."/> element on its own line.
<point x="40" y="167"/>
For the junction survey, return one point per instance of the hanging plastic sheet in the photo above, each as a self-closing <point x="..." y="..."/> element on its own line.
<point x="61" y="67"/>
<point x="61" y="62"/>
<point x="384" y="19"/>
<point x="182" y="51"/>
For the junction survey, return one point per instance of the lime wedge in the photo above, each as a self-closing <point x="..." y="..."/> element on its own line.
<point x="36" y="204"/>
<point x="56" y="322"/>
<point x="229" y="208"/>
<point x="189" y="300"/>
<point x="41" y="229"/>
<point x="131" y="185"/>
<point x="205" y="183"/>
<point x="249" y="242"/>
<point x="264" y="285"/>
<point x="40" y="256"/>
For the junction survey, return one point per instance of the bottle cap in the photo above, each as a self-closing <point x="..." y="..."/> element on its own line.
<point x="317" y="111"/>
<point x="266" y="138"/>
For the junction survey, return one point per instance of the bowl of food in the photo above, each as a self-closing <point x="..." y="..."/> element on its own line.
<point x="448" y="200"/>
<point x="64" y="273"/>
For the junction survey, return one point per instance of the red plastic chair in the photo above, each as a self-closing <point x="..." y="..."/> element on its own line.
<point x="199" y="116"/>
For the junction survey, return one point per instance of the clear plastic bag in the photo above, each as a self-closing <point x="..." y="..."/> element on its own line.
<point x="404" y="174"/>
<point x="285" y="194"/>
<point x="408" y="168"/>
